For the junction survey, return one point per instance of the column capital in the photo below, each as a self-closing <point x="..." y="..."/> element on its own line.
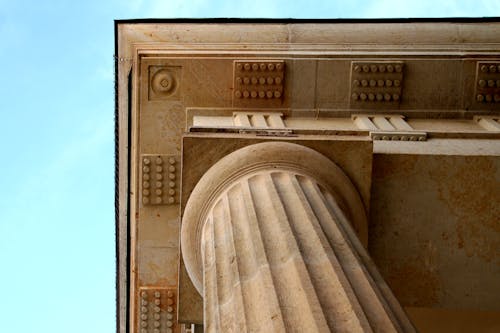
<point x="257" y="158"/>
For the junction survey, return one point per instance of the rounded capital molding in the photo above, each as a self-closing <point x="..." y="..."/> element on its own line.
<point x="254" y="158"/>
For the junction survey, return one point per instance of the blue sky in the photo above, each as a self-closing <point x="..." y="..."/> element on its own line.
<point x="56" y="140"/>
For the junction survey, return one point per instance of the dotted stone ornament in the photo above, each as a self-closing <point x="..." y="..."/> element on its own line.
<point x="160" y="179"/>
<point x="487" y="92"/>
<point x="164" y="82"/>
<point x="376" y="84"/>
<point x="157" y="310"/>
<point x="258" y="82"/>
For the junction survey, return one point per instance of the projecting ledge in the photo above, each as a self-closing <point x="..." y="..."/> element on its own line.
<point x="457" y="147"/>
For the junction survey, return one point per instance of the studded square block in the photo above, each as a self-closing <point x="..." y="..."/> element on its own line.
<point x="258" y="82"/>
<point x="488" y="84"/>
<point x="376" y="84"/>
<point x="157" y="310"/>
<point x="159" y="179"/>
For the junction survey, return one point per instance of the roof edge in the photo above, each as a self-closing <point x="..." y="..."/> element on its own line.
<point x="311" y="20"/>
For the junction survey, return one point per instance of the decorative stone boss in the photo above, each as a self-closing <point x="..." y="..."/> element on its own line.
<point x="267" y="239"/>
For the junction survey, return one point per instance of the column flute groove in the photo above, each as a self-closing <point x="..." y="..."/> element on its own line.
<point x="286" y="262"/>
<point x="332" y="287"/>
<point x="373" y="304"/>
<point x="268" y="317"/>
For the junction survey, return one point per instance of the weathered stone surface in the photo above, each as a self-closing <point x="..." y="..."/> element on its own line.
<point x="174" y="78"/>
<point x="448" y="219"/>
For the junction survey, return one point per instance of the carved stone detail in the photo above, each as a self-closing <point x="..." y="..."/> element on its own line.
<point x="258" y="83"/>
<point x="399" y="136"/>
<point x="388" y="127"/>
<point x="258" y="119"/>
<point x="376" y="83"/>
<point x="488" y="82"/>
<point x="157" y="310"/>
<point x="160" y="179"/>
<point x="277" y="226"/>
<point x="164" y="82"/>
<point x="489" y="123"/>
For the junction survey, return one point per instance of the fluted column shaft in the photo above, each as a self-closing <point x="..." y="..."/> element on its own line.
<point x="279" y="255"/>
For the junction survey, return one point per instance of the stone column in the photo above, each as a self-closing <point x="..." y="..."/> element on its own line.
<point x="278" y="253"/>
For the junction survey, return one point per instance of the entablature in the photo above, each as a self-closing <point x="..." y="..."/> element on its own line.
<point x="388" y="127"/>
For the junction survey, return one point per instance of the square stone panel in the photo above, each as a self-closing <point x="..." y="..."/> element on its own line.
<point x="376" y="84"/>
<point x="258" y="83"/>
<point x="164" y="82"/>
<point x="160" y="179"/>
